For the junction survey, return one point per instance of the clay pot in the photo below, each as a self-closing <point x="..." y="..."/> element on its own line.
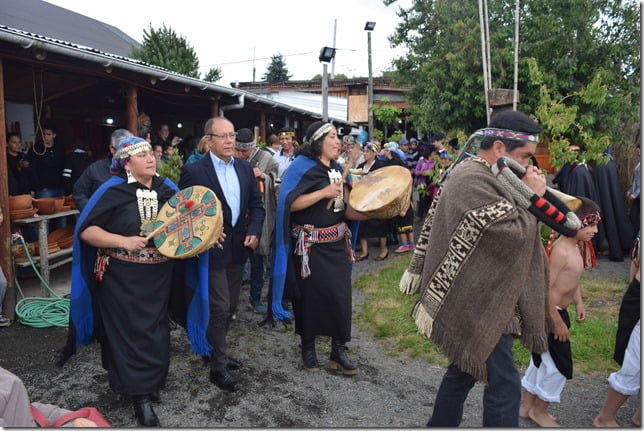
<point x="48" y="205"/>
<point x="20" y="202"/>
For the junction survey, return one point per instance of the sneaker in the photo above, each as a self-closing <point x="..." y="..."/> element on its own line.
<point x="403" y="248"/>
<point x="258" y="307"/>
<point x="4" y="321"/>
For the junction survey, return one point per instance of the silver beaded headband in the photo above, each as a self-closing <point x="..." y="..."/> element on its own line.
<point x="325" y="128"/>
<point x="130" y="150"/>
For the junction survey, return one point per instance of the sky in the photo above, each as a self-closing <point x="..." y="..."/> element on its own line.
<point x="230" y="33"/>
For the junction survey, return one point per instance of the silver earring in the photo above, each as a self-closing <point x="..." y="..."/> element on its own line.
<point x="130" y="177"/>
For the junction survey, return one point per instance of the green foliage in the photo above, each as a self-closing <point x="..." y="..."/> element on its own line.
<point x="386" y="114"/>
<point x="213" y="75"/>
<point x="163" y="47"/>
<point x="586" y="48"/>
<point x="172" y="168"/>
<point x="396" y="136"/>
<point x="563" y="125"/>
<point x="378" y="135"/>
<point x="261" y="143"/>
<point x="276" y="70"/>
<point x="436" y="173"/>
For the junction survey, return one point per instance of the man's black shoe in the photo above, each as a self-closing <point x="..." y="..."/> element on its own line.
<point x="144" y="412"/>
<point x="224" y="380"/>
<point x="155" y="396"/>
<point x="233" y="364"/>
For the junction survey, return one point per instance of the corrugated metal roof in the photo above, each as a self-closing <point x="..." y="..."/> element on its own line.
<point x="40" y="17"/>
<point x="26" y="39"/>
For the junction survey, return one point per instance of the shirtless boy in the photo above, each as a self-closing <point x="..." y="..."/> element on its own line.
<point x="547" y="374"/>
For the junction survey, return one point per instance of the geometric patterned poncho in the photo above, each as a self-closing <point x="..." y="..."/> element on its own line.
<point x="480" y="269"/>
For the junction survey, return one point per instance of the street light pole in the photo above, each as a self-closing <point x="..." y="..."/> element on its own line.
<point x="325" y="93"/>
<point x="369" y="26"/>
<point x="326" y="55"/>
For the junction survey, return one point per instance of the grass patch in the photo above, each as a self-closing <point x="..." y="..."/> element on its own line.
<point x="386" y="314"/>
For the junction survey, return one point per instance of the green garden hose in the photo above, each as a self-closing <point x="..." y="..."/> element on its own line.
<point x="40" y="312"/>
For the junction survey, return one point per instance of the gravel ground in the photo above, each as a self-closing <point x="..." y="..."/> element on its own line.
<point x="275" y="390"/>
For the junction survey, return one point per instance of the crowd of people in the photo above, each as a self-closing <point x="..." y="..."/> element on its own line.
<point x="288" y="223"/>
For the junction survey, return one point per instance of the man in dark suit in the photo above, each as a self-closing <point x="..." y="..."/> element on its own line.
<point x="233" y="181"/>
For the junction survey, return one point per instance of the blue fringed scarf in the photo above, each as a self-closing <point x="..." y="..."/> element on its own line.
<point x="81" y="313"/>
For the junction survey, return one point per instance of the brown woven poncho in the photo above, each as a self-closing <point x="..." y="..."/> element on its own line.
<point x="481" y="270"/>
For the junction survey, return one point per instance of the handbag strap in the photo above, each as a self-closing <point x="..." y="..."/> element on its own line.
<point x="85" y="412"/>
<point x="40" y="419"/>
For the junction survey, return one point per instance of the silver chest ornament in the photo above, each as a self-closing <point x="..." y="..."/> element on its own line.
<point x="148" y="207"/>
<point x="335" y="177"/>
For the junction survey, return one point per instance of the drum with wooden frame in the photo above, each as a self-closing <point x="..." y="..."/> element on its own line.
<point x="383" y="193"/>
<point x="189" y="223"/>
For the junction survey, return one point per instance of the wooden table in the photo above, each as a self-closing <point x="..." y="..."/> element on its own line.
<point x="43" y="231"/>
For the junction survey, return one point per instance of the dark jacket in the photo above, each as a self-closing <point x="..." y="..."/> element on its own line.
<point x="19" y="179"/>
<point x="251" y="213"/>
<point x="90" y="180"/>
<point x="75" y="165"/>
<point x="46" y="165"/>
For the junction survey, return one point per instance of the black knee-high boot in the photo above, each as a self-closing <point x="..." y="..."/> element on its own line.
<point x="309" y="357"/>
<point x="339" y="359"/>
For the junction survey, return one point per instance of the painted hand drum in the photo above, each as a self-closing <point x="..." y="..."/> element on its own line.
<point x="194" y="223"/>
<point x="383" y="193"/>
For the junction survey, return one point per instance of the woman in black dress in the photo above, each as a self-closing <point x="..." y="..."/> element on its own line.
<point x="318" y="252"/>
<point x="132" y="289"/>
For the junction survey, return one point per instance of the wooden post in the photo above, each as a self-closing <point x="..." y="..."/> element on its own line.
<point x="5" y="229"/>
<point x="262" y="125"/>
<point x="214" y="109"/>
<point x="132" y="110"/>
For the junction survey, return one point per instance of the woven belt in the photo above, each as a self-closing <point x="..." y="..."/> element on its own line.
<point x="307" y="235"/>
<point x="149" y="255"/>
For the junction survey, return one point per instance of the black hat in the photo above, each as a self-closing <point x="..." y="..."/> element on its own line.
<point x="286" y="131"/>
<point x="245" y="139"/>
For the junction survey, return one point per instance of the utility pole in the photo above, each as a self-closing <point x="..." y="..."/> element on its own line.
<point x="369" y="26"/>
<point x="335" y="26"/>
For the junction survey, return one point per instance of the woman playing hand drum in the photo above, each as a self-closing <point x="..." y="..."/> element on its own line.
<point x="130" y="288"/>
<point x="313" y="242"/>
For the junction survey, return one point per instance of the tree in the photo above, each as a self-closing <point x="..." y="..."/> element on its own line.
<point x="276" y="70"/>
<point x="572" y="41"/>
<point x="560" y="121"/>
<point x="318" y="77"/>
<point x="213" y="75"/>
<point x="163" y="47"/>
<point x="386" y="114"/>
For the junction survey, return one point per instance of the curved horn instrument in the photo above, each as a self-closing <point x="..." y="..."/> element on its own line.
<point x="571" y="202"/>
<point x="555" y="209"/>
<point x="549" y="209"/>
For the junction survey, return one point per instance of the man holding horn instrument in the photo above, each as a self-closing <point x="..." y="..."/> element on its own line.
<point x="482" y="274"/>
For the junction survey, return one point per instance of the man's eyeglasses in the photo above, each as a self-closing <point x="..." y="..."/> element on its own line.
<point x="223" y="135"/>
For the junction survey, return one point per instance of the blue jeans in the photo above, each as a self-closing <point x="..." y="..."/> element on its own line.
<point x="501" y="397"/>
<point x="256" y="277"/>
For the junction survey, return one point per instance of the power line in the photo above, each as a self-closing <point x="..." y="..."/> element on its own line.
<point x="268" y="58"/>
